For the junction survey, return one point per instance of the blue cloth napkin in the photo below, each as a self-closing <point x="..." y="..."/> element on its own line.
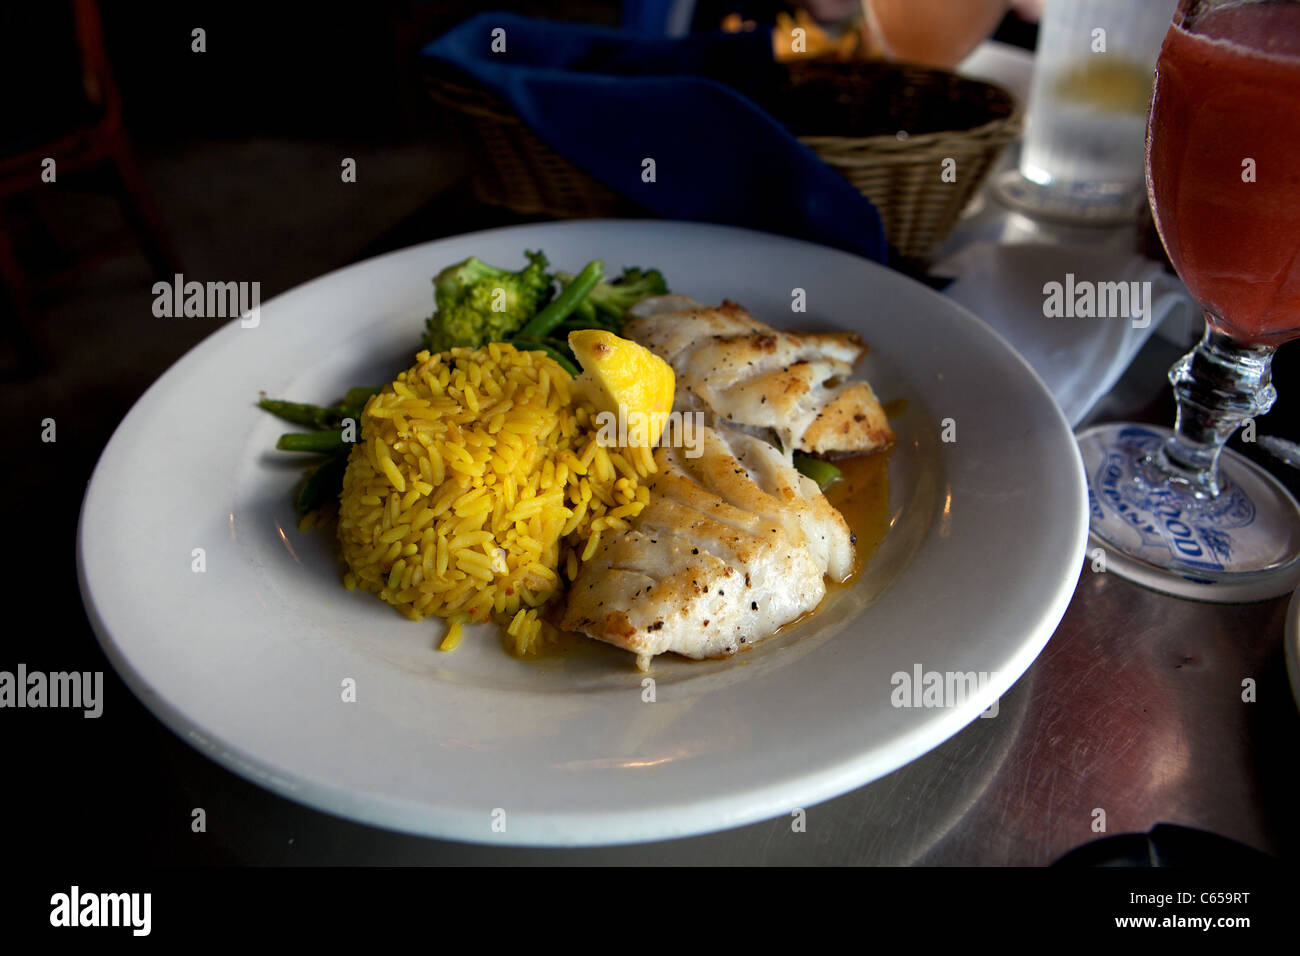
<point x="609" y="99"/>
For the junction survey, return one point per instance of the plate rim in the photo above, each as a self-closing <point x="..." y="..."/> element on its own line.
<point x="1291" y="637"/>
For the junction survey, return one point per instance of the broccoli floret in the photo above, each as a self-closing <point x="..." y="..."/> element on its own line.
<point x="478" y="303"/>
<point x="610" y="300"/>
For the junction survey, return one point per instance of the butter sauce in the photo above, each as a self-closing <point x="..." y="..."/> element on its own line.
<point x="862" y="497"/>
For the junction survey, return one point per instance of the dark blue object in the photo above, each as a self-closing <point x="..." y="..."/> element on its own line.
<point x="646" y="16"/>
<point x="608" y="99"/>
<point x="1166" y="845"/>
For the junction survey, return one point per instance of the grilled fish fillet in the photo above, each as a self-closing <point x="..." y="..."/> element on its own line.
<point x="750" y="374"/>
<point x="734" y="544"/>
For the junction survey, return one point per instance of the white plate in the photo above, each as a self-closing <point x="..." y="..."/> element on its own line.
<point x="247" y="660"/>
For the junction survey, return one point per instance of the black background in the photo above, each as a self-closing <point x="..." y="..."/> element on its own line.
<point x="99" y="795"/>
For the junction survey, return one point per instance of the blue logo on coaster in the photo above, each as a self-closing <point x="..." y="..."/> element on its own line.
<point x="1195" y="533"/>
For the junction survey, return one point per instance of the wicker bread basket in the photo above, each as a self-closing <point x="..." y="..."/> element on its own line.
<point x="887" y="128"/>
<point x="896" y="127"/>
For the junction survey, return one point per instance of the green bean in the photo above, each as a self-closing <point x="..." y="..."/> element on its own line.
<point x="561" y="345"/>
<point x="356" y="398"/>
<point x="317" y="442"/>
<point x="574" y="323"/>
<point x="584" y="311"/>
<point x="313" y="416"/>
<point x="323" y="485"/>
<point x="540" y="345"/>
<point x="316" y="416"/>
<point x="822" y="472"/>
<point x="563" y="304"/>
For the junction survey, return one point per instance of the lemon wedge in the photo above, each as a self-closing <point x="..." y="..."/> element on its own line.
<point x="1110" y="85"/>
<point x="624" y="379"/>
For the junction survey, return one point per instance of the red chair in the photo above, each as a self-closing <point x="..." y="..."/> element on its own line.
<point x="85" y="134"/>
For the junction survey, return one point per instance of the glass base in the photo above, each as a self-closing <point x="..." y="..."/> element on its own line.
<point x="1243" y="545"/>
<point x="1081" y="206"/>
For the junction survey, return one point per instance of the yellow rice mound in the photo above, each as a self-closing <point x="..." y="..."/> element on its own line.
<point x="477" y="482"/>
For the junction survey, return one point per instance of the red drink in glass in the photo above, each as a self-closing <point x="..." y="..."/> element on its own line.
<point x="1223" y="165"/>
<point x="1177" y="510"/>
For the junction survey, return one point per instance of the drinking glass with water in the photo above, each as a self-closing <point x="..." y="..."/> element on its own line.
<point x="1082" y="157"/>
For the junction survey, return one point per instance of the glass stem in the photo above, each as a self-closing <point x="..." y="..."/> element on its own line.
<point x="1218" y="385"/>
